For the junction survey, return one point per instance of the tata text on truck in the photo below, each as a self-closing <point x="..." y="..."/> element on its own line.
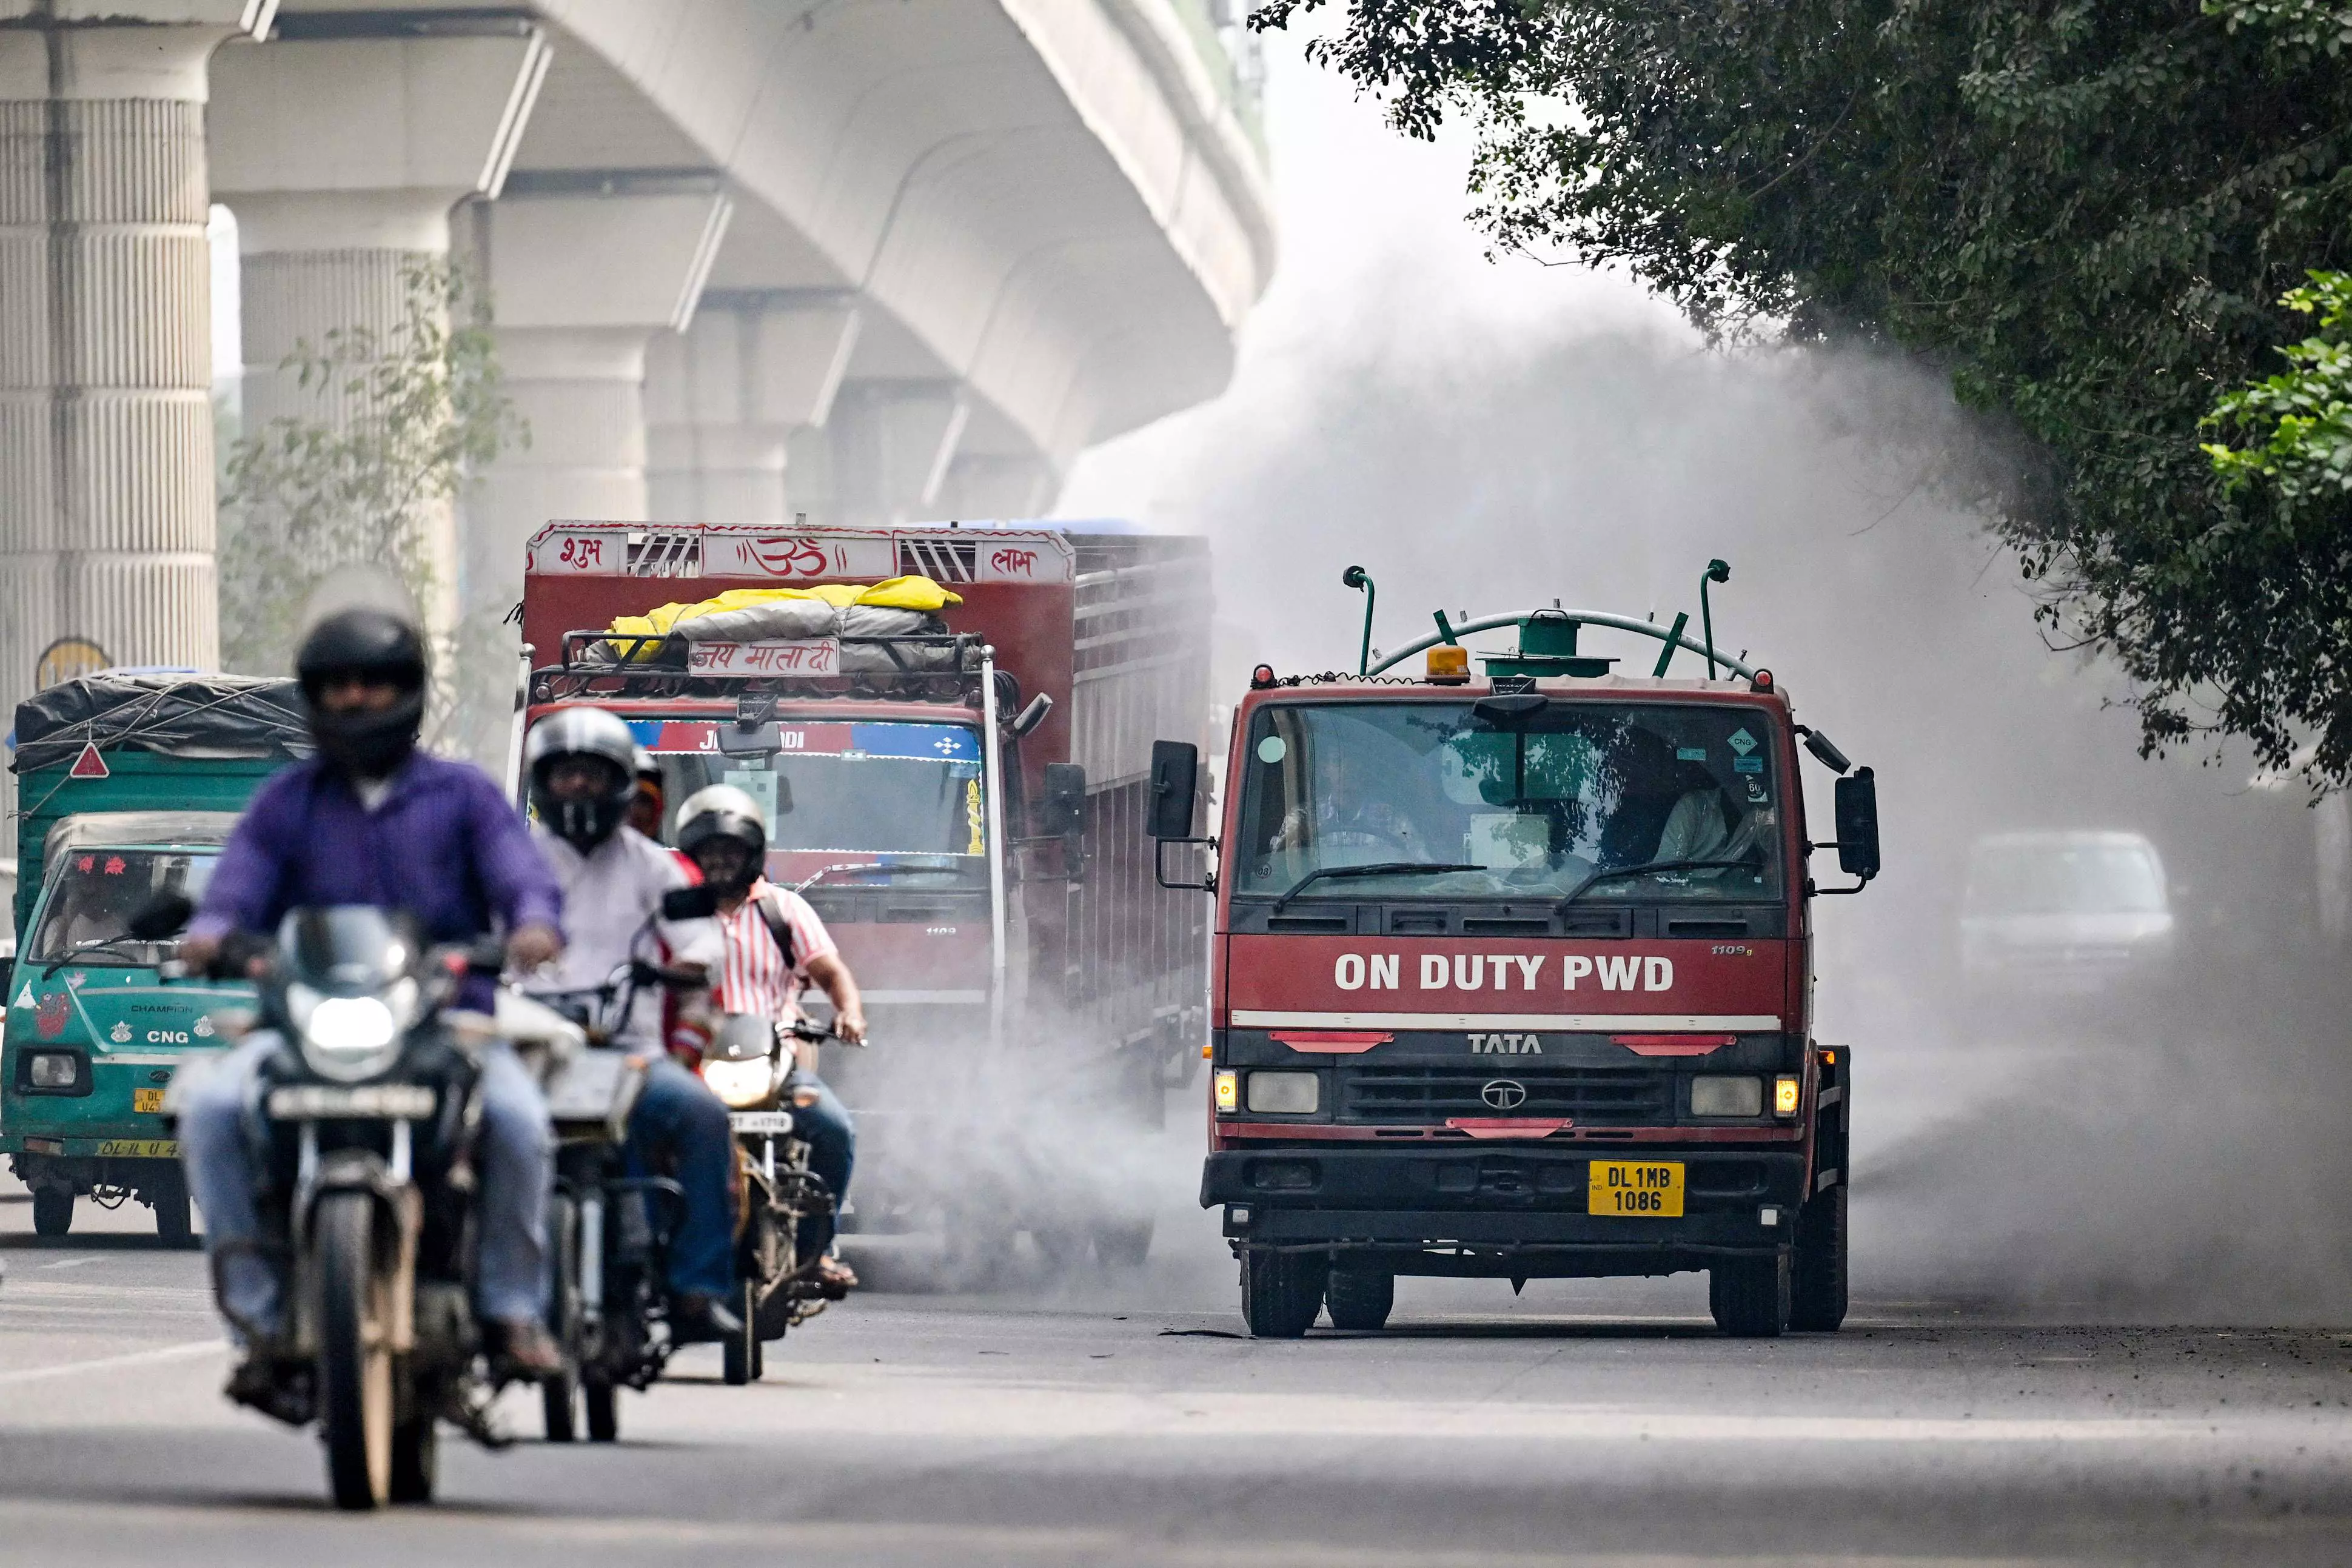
<point x="126" y="786"/>
<point x="1512" y="980"/>
<point x="964" y="806"/>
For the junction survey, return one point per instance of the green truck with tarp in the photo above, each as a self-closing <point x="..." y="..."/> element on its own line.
<point x="127" y="785"/>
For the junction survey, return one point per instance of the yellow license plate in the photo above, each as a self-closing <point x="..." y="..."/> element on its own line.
<point x="1645" y="1189"/>
<point x="139" y="1148"/>
<point x="147" y="1101"/>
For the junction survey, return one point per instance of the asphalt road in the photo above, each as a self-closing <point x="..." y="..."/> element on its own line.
<point x="1124" y="1421"/>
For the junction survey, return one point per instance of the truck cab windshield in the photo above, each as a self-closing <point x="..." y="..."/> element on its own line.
<point x="1537" y="804"/>
<point x="858" y="789"/>
<point x="94" y="893"/>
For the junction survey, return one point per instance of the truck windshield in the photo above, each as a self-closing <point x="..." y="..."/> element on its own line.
<point x="856" y="789"/>
<point x="1537" y="803"/>
<point x="94" y="893"/>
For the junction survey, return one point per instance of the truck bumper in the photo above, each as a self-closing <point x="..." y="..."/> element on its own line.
<point x="1494" y="1214"/>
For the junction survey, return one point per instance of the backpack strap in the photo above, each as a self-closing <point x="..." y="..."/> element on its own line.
<point x="772" y="911"/>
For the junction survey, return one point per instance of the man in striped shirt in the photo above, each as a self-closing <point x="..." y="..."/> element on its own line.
<point x="776" y="946"/>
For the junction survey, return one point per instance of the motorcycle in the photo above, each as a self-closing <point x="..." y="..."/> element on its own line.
<point x="369" y="1107"/>
<point x="608" y="1232"/>
<point x="747" y="1064"/>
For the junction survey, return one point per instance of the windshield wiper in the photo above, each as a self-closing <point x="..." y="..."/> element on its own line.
<point x="1615" y="872"/>
<point x="1379" y="869"/>
<point x="90" y="944"/>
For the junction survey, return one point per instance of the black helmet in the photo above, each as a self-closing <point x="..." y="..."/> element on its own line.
<point x="723" y="811"/>
<point x="582" y="733"/>
<point x="378" y="646"/>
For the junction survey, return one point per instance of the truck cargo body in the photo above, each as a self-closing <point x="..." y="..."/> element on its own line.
<point x="879" y="792"/>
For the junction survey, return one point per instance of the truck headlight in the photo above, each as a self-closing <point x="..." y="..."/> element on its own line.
<point x="54" y="1071"/>
<point x="1285" y="1093"/>
<point x="741" y="1084"/>
<point x="1229" y="1090"/>
<point x="1785" y="1090"/>
<point x="1723" y="1096"/>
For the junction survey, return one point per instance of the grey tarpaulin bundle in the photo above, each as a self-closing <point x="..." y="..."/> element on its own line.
<point x="174" y="715"/>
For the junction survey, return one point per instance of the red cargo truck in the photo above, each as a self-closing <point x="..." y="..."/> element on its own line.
<point x="1512" y="978"/>
<point x="964" y="808"/>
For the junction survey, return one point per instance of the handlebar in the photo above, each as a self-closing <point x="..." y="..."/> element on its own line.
<point x="804" y="1030"/>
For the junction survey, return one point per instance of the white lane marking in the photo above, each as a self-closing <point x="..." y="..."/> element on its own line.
<point x="182" y="1351"/>
<point x="74" y="1263"/>
<point x="1564" y="1023"/>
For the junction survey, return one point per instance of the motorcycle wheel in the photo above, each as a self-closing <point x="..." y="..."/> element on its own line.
<point x="559" y="1397"/>
<point x="739" y="1352"/>
<point x="415" y="1459"/>
<point x="355" y="1394"/>
<point x="603" y="1412"/>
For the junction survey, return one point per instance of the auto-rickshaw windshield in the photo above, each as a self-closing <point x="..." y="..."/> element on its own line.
<point x="1572" y="795"/>
<point x="94" y="893"/>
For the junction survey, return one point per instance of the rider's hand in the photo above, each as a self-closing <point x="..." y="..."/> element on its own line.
<point x="532" y="945"/>
<point x="850" y="1026"/>
<point x="198" y="952"/>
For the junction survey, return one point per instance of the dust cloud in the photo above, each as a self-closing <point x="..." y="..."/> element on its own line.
<point x="1494" y="437"/>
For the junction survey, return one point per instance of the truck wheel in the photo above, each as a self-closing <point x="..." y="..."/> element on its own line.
<point x="1359" y="1299"/>
<point x="1281" y="1292"/>
<point x="1123" y="1244"/>
<point x="1817" y="1282"/>
<point x="175" y="1222"/>
<point x="603" y="1412"/>
<point x="52" y="1212"/>
<point x="1749" y="1296"/>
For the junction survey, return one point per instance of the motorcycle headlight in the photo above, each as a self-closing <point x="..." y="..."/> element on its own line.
<point x="740" y="1084"/>
<point x="351" y="1037"/>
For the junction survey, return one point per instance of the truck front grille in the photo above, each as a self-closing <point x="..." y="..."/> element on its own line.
<point x="1588" y="1096"/>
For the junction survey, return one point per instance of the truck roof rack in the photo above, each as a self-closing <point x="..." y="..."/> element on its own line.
<point x="1547" y="643"/>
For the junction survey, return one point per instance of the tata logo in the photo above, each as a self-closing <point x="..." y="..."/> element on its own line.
<point x="1507" y="1045"/>
<point x="1504" y="1094"/>
<point x="1009" y="561"/>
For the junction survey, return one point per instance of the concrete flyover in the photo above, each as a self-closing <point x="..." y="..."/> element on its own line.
<point x="860" y="260"/>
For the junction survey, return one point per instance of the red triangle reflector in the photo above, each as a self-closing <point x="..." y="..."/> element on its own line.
<point x="89" y="764"/>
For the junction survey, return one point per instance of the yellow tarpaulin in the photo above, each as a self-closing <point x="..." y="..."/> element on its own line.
<point x="896" y="593"/>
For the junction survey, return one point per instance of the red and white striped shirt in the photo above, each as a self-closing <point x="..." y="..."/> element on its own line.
<point x="753" y="979"/>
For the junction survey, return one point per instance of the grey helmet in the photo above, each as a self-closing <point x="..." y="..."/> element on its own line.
<point x="582" y="733"/>
<point x="722" y="811"/>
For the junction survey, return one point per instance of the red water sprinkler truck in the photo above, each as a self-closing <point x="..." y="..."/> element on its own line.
<point x="1511" y="978"/>
<point x="964" y="803"/>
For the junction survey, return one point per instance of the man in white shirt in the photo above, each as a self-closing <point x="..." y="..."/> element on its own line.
<point x="583" y="773"/>
<point x="776" y="946"/>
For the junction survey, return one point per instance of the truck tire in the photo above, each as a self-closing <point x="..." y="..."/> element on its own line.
<point x="355" y="1370"/>
<point x="1749" y="1296"/>
<point x="1123" y="1243"/>
<point x="1359" y="1299"/>
<point x="1281" y="1292"/>
<point x="1817" y="1274"/>
<point x="52" y="1212"/>
<point x="176" y="1220"/>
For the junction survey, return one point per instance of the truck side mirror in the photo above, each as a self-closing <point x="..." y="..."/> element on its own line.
<point x="160" y="918"/>
<point x="1857" y="824"/>
<point x="1175" y="775"/>
<point x="1062" y="811"/>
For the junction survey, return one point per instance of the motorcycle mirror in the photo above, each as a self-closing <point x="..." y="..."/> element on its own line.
<point x="486" y="956"/>
<point x="694" y="903"/>
<point x="162" y="918"/>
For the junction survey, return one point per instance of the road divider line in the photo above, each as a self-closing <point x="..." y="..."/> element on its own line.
<point x="182" y="1351"/>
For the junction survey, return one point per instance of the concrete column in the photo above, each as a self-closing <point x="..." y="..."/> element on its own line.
<point x="724" y="397"/>
<point x="342" y="158"/>
<point x="997" y="485"/>
<point x="106" y="432"/>
<point x="582" y="283"/>
<point x="891" y="444"/>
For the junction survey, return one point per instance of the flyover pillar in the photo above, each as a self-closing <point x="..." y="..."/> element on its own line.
<point x="106" y="426"/>
<point x="724" y="398"/>
<point x="889" y="448"/>
<point x="342" y="158"/>
<point x="582" y="283"/>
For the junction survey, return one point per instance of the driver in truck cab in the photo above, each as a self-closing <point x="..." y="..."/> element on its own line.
<point x="372" y="820"/>
<point x="776" y="946"/>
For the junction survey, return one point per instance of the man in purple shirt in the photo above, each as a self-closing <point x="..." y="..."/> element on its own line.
<point x="372" y="820"/>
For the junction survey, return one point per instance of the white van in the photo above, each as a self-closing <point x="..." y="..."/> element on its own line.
<point x="2064" y="914"/>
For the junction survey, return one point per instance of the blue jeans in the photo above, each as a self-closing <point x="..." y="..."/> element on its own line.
<point x="678" y="1125"/>
<point x="517" y="1153"/>
<point x="833" y="1151"/>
